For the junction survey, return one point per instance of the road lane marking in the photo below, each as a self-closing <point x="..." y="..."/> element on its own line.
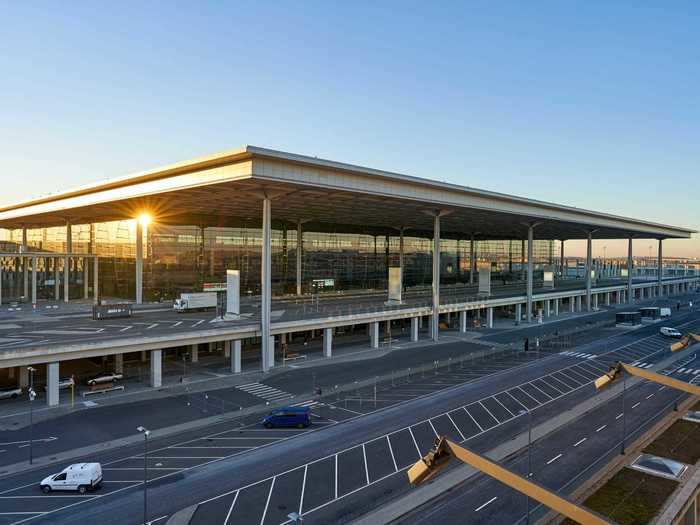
<point x="580" y="441"/>
<point x="230" y="509"/>
<point x="364" y="456"/>
<point x="554" y="459"/>
<point x="481" y="429"/>
<point x="391" y="450"/>
<point x="619" y="415"/>
<point x="303" y="488"/>
<point x="485" y="504"/>
<point x="336" y="475"/>
<point x="420" y="455"/>
<point x="177" y="324"/>
<point x="600" y="428"/>
<point x="151" y="326"/>
<point x="454" y="425"/>
<point x="650" y="396"/>
<point x="636" y="405"/>
<point x="126" y="328"/>
<point x="198" y="322"/>
<point x="267" y="503"/>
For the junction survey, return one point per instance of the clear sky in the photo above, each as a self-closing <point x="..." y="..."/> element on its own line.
<point x="593" y="104"/>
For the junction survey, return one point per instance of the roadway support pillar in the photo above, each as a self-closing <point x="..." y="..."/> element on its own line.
<point x="472" y="262"/>
<point x="235" y="349"/>
<point x="156" y="376"/>
<point x="66" y="262"/>
<point x="556" y="307"/>
<point x="561" y="260"/>
<point x="139" y="262"/>
<point x="547" y="307"/>
<point x="34" y="280"/>
<point x="435" y="327"/>
<point x="589" y="270"/>
<point x="23" y="377"/>
<point x="25" y="267"/>
<point x="300" y="244"/>
<point x="119" y="363"/>
<point x="630" y="293"/>
<point x="489" y="317"/>
<point x="144" y="356"/>
<point x="607" y="298"/>
<point x="194" y="353"/>
<point x="56" y="279"/>
<point x="267" y="343"/>
<point x="578" y="303"/>
<point x="327" y="342"/>
<point x="52" y="384"/>
<point x="463" y="321"/>
<point x="414" y="329"/>
<point x="518" y="313"/>
<point x="530" y="263"/>
<point x="374" y="334"/>
<point x="95" y="280"/>
<point x="660" y="268"/>
<point x="595" y="301"/>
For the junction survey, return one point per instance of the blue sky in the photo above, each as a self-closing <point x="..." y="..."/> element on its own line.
<point x="585" y="103"/>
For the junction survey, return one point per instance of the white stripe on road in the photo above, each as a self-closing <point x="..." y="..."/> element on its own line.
<point x="554" y="459"/>
<point x="579" y="442"/>
<point x="485" y="504"/>
<point x="600" y="428"/>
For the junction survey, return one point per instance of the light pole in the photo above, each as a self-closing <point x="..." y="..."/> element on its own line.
<point x="146" y="434"/>
<point x="32" y="396"/>
<point x="184" y="365"/>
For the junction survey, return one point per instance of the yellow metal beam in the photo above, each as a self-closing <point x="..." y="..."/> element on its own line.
<point x="662" y="379"/>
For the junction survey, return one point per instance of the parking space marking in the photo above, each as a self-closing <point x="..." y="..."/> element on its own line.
<point x="554" y="459"/>
<point x="267" y="503"/>
<point x="391" y="450"/>
<point x="453" y="424"/>
<point x="364" y="456"/>
<point x="415" y="442"/>
<point x="230" y="509"/>
<point x="579" y="442"/>
<point x="600" y="428"/>
<point x="481" y="429"/>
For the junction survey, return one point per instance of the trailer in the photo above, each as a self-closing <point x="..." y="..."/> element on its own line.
<point x="189" y="302"/>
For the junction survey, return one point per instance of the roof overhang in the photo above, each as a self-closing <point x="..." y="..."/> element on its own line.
<point x="227" y="189"/>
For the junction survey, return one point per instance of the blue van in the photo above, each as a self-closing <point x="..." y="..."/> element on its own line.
<point x="299" y="417"/>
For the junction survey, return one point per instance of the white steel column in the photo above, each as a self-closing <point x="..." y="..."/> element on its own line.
<point x="518" y="313"/>
<point x="561" y="260"/>
<point x="436" y="278"/>
<point x="34" y="280"/>
<point x="414" y="329"/>
<point x="556" y="307"/>
<point x="607" y="298"/>
<point x="86" y="278"/>
<point x="530" y="240"/>
<point x="66" y="262"/>
<point x="156" y="377"/>
<point x="56" y="279"/>
<point x="194" y="353"/>
<point x="95" y="280"/>
<point x="267" y="343"/>
<point x="660" y="268"/>
<point x="327" y="342"/>
<point x="139" y="262"/>
<point x="589" y="269"/>
<point x="235" y="347"/>
<point x="52" y="396"/>
<point x="401" y="252"/>
<point x="547" y="307"/>
<point x="471" y="260"/>
<point x="119" y="363"/>
<point x="630" y="294"/>
<point x="374" y="334"/>
<point x="463" y="321"/>
<point x="25" y="267"/>
<point x="572" y="304"/>
<point x="489" y="317"/>
<point x="300" y="247"/>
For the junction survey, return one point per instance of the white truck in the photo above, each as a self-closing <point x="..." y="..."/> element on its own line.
<point x="189" y="302"/>
<point x="80" y="476"/>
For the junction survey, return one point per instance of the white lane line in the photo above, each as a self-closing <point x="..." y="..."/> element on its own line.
<point x="364" y="456"/>
<point x="420" y="455"/>
<point x="391" y="450"/>
<point x="650" y="396"/>
<point x="151" y="326"/>
<point x="600" y="428"/>
<point x="126" y="328"/>
<point x="485" y="504"/>
<point x="456" y="427"/>
<point x="177" y="324"/>
<point x="230" y="509"/>
<point x="554" y="459"/>
<point x="267" y="503"/>
<point x="481" y="429"/>
<point x="619" y="416"/>
<point x="303" y="488"/>
<point x="336" y="476"/>
<point x="198" y="323"/>
<point x="636" y="405"/>
<point x="580" y="441"/>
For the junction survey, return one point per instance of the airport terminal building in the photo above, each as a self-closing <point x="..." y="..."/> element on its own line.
<point x="299" y="227"/>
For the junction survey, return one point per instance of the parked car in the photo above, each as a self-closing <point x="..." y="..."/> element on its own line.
<point x="670" y="332"/>
<point x="104" y="377"/>
<point x="10" y="393"/>
<point x="299" y="417"/>
<point x="80" y="476"/>
<point x="63" y="383"/>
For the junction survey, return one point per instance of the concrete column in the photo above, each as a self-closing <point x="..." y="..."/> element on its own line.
<point x="572" y="304"/>
<point x="268" y="355"/>
<point x="374" y="334"/>
<point x="547" y="307"/>
<point x="619" y="296"/>
<point x="235" y="347"/>
<point x="556" y="307"/>
<point x="66" y="262"/>
<point x="660" y="267"/>
<point x="489" y="317"/>
<point x="401" y="251"/>
<point x="34" y="280"/>
<point x="119" y="363"/>
<point x="139" y="262"/>
<point x="52" y="396"/>
<point x="530" y="240"/>
<point x="607" y="298"/>
<point x="561" y="259"/>
<point x="414" y="329"/>
<point x="86" y="278"/>
<point x="630" y="294"/>
<point x="523" y="272"/>
<point x="194" y="353"/>
<point x="327" y="342"/>
<point x="578" y="303"/>
<point x="448" y="318"/>
<point x="25" y="266"/>
<point x="156" y="378"/>
<point x="95" y="280"/>
<point x="56" y="280"/>
<point x="463" y="321"/>
<point x="300" y="247"/>
<point x="518" y="313"/>
<point x="227" y="350"/>
<point x="589" y="269"/>
<point x="436" y="278"/>
<point x="144" y="356"/>
<point x="472" y="262"/>
<point x="595" y="301"/>
<point x="23" y="377"/>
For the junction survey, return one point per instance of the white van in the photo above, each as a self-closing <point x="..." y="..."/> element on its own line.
<point x="664" y="312"/>
<point x="80" y="477"/>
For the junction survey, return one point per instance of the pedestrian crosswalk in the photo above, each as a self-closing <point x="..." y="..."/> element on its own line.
<point x="309" y="403"/>
<point x="265" y="392"/>
<point x="689" y="371"/>
<point x="642" y="365"/>
<point x="578" y="354"/>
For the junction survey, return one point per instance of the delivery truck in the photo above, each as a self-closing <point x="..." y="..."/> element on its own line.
<point x="189" y="302"/>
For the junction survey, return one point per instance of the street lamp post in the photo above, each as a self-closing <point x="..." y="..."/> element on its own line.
<point x="32" y="396"/>
<point x="184" y="365"/>
<point x="146" y="434"/>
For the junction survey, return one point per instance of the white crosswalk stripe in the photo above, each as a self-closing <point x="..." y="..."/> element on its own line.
<point x="309" y="403"/>
<point x="265" y="392"/>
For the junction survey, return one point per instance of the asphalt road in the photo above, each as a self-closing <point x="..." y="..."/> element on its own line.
<point x="345" y="468"/>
